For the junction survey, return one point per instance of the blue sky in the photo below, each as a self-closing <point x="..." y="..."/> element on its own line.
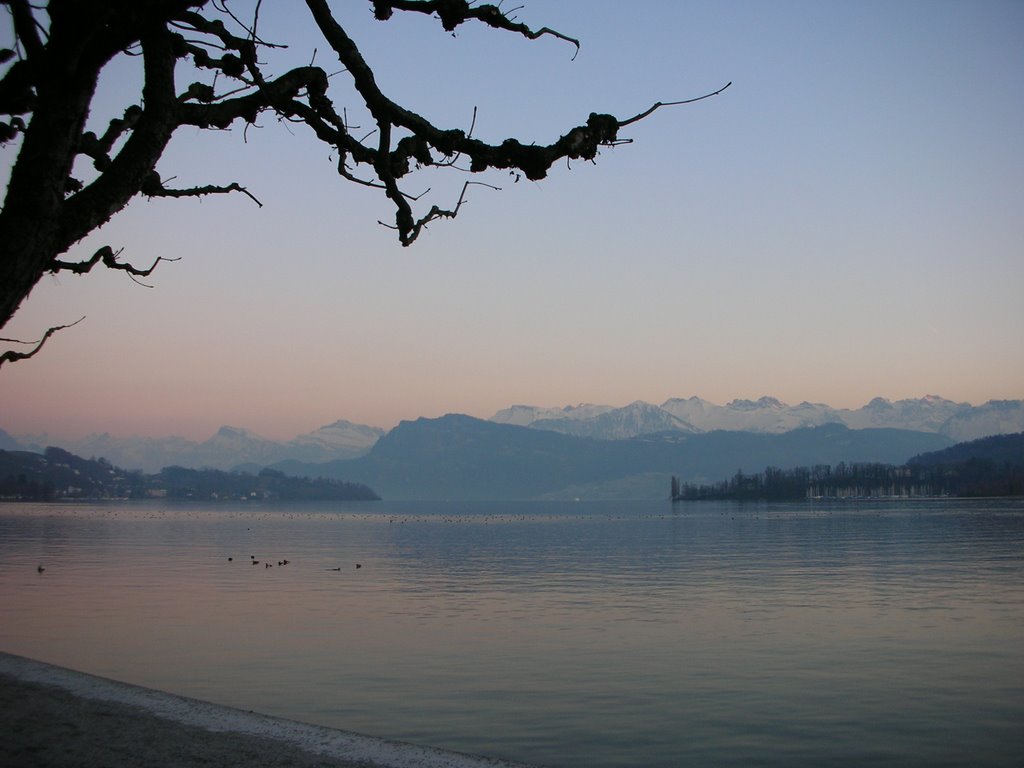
<point x="846" y="221"/>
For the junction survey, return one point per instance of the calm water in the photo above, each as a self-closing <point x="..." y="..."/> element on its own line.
<point x="586" y="634"/>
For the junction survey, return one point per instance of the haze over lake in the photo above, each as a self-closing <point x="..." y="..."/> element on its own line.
<point x="559" y="633"/>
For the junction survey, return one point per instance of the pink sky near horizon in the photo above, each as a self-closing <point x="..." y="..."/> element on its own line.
<point x="842" y="223"/>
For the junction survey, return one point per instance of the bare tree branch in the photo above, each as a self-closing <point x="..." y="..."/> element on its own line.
<point x="438" y="213"/>
<point x="108" y="256"/>
<point x="153" y="187"/>
<point x="25" y="27"/>
<point x="132" y="165"/>
<point x="10" y="356"/>
<point x="452" y="13"/>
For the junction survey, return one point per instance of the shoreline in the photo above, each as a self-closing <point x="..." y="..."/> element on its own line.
<point x="59" y="718"/>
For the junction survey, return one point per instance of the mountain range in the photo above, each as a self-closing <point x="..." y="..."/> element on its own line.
<point x="228" y="448"/>
<point x="639" y="422"/>
<point x="957" y="421"/>
<point x="459" y="457"/>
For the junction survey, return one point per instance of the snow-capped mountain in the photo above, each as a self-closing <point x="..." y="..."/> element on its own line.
<point x="764" y="415"/>
<point x="927" y="414"/>
<point x="227" y="448"/>
<point x="996" y="417"/>
<point x="342" y="439"/>
<point x="637" y="418"/>
<point x="147" y="453"/>
<point x="525" y="415"/>
<point x="233" y="443"/>
<point x="958" y="421"/>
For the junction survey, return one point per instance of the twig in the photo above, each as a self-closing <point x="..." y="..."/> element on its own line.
<point x="10" y="356"/>
<point x="642" y="115"/>
<point x="108" y="256"/>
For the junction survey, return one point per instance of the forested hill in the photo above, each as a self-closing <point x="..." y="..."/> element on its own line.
<point x="992" y="466"/>
<point x="57" y="474"/>
<point x="1001" y="449"/>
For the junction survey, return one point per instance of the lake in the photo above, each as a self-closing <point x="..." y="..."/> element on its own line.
<point x="556" y="633"/>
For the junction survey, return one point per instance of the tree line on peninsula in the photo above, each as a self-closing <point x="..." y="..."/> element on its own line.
<point x="992" y="466"/>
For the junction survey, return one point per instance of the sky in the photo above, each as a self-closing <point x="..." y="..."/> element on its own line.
<point x="845" y="221"/>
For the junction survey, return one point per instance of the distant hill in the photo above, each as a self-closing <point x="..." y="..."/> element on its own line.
<point x="991" y="466"/>
<point x="183" y="483"/>
<point x="459" y="457"/>
<point x="58" y="474"/>
<point x="55" y="473"/>
<point x="999" y="449"/>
